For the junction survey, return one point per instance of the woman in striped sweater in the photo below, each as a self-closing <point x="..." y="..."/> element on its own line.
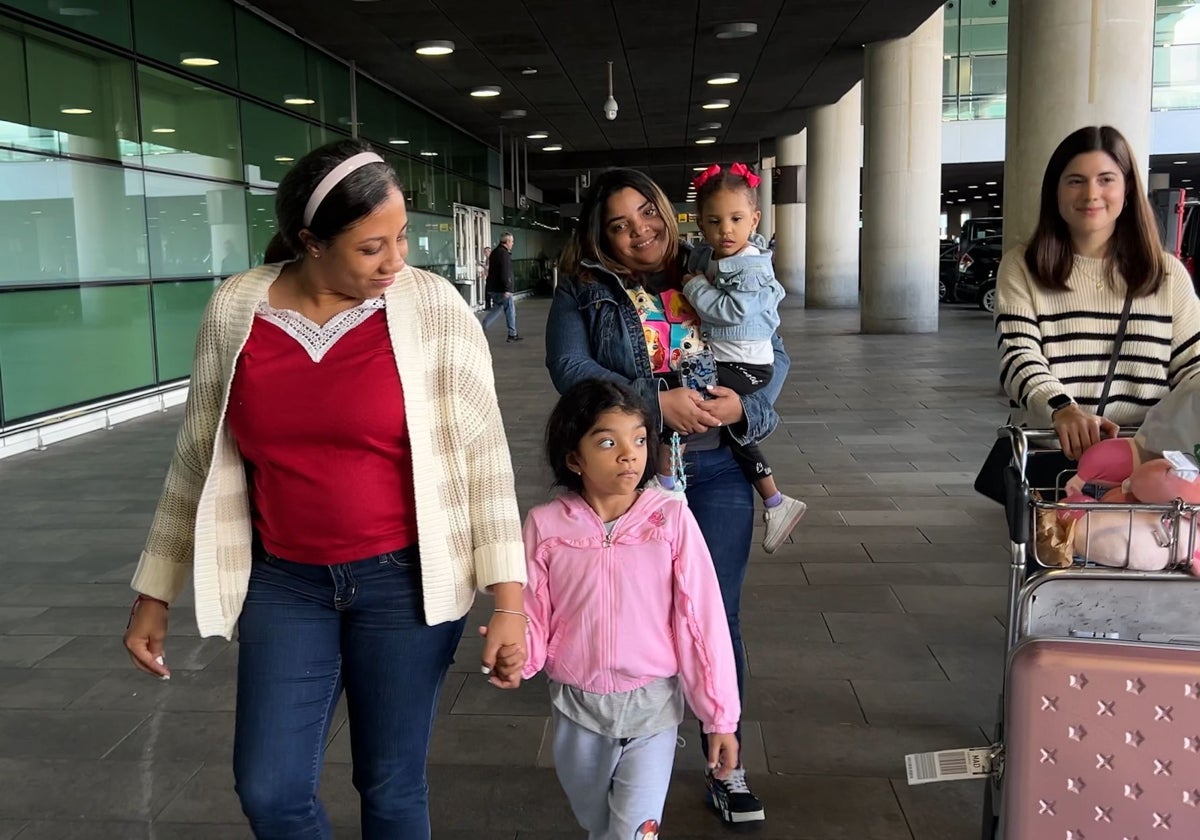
<point x="1060" y="297"/>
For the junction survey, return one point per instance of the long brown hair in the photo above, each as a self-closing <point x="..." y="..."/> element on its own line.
<point x="1134" y="248"/>
<point x="589" y="241"/>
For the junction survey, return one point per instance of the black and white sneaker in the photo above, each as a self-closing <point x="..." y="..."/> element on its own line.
<point x="732" y="799"/>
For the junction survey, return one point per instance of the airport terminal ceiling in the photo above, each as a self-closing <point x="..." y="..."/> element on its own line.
<point x="548" y="57"/>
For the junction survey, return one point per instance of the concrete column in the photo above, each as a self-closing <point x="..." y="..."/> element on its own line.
<point x="835" y="155"/>
<point x="902" y="176"/>
<point x="791" y="213"/>
<point x="1062" y="76"/>
<point x="766" y="199"/>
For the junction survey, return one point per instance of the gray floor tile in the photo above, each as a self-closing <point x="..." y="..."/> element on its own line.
<point x="941" y="811"/>
<point x="790" y="698"/>
<point x="870" y="751"/>
<point x="816" y="598"/>
<point x="11" y="828"/>
<point x="179" y="736"/>
<point x="186" y="653"/>
<point x="186" y="691"/>
<point x="89" y="790"/>
<point x="89" y="830"/>
<point x="906" y="573"/>
<point x="926" y="702"/>
<point x="954" y="553"/>
<point x="35" y="733"/>
<point x="976" y="633"/>
<point x="24" y="651"/>
<point x="958" y="600"/>
<point x="883" y="659"/>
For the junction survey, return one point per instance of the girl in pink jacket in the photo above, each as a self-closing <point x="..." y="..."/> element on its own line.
<point x="625" y="615"/>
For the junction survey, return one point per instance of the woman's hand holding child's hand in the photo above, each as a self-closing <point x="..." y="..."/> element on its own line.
<point x="504" y="651"/>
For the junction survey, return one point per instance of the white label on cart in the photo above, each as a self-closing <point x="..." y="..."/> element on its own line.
<point x="1183" y="465"/>
<point x="948" y="765"/>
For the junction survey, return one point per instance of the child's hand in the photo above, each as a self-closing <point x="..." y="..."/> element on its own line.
<point x="722" y="753"/>
<point x="504" y="653"/>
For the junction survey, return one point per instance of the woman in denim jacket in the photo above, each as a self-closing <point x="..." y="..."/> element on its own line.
<point x="618" y="314"/>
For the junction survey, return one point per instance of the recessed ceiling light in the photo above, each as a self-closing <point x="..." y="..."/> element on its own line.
<point x="699" y="168"/>
<point x="962" y="201"/>
<point x="951" y="191"/>
<point x="537" y="135"/>
<point x="712" y="126"/>
<point x="989" y="183"/>
<point x="428" y="153"/>
<point x="512" y="114"/>
<point x="723" y="79"/>
<point x="197" y="60"/>
<point x="77" y="11"/>
<point x="299" y="100"/>
<point x="283" y="159"/>
<point x="74" y="110"/>
<point x="992" y="195"/>
<point x="556" y="147"/>
<point x="1177" y="162"/>
<point x="486" y="91"/>
<point x="162" y="129"/>
<point x="398" y="141"/>
<point x="705" y="141"/>
<point x="1186" y="181"/>
<point x="715" y="104"/>
<point x="434" y="47"/>
<point x="741" y="29"/>
<point x="972" y="186"/>
<point x="978" y="198"/>
<point x="529" y="71"/>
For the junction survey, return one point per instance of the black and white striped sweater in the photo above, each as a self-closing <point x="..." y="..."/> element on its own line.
<point x="1060" y="342"/>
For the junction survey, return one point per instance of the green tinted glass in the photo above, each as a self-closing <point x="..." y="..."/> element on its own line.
<point x="64" y="220"/>
<point x="197" y="228"/>
<point x="329" y="83"/>
<point x="272" y="65"/>
<point x="81" y="101"/>
<point x="61" y="347"/>
<point x="195" y="36"/>
<point x="260" y="211"/>
<point x="189" y="127"/>
<point x="430" y="240"/>
<point x="107" y="20"/>
<point x="273" y="142"/>
<point x="177" y="310"/>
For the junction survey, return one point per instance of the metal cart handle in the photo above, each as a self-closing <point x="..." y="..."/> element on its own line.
<point x="1021" y="438"/>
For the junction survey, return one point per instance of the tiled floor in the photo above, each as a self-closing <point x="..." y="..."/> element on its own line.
<point x="874" y="635"/>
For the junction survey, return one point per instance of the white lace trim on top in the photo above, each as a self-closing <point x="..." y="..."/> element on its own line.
<point x="317" y="340"/>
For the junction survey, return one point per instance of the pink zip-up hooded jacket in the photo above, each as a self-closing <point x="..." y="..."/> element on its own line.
<point x="612" y="614"/>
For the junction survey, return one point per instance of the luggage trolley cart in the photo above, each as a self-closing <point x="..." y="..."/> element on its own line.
<point x="1099" y="714"/>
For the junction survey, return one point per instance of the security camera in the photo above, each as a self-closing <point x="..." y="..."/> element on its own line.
<point x="610" y="108"/>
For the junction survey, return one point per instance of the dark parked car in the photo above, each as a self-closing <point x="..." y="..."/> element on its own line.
<point x="947" y="273"/>
<point x="977" y="272"/>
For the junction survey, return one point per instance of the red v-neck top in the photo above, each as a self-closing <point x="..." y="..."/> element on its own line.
<point x="324" y="439"/>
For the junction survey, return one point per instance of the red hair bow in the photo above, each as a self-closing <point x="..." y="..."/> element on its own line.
<point x="712" y="172"/>
<point x="743" y="170"/>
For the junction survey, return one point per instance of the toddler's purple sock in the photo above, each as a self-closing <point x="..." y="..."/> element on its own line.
<point x="774" y="501"/>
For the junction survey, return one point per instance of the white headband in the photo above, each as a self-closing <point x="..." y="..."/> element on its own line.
<point x="334" y="178"/>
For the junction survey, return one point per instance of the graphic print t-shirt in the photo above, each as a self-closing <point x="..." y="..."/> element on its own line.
<point x="670" y="325"/>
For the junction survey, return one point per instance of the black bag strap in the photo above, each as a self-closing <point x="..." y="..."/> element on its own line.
<point x="1118" y="340"/>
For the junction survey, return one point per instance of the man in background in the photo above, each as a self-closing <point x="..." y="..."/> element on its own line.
<point x="499" y="287"/>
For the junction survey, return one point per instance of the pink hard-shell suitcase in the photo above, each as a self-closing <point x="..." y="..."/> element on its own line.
<point x="1102" y="741"/>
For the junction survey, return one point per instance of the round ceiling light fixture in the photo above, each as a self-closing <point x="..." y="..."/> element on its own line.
<point x="197" y="60"/>
<point x="738" y="29"/>
<point x="715" y="104"/>
<point x="433" y="47"/>
<point x="529" y="71"/>
<point x="299" y="100"/>
<point x="486" y="91"/>
<point x="397" y="141"/>
<point x="723" y="79"/>
<point x="556" y="147"/>
<point x="428" y="153"/>
<point x="538" y="135"/>
<point x="705" y="141"/>
<point x="74" y="110"/>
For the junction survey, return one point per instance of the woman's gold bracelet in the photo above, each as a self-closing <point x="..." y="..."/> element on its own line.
<point x="512" y="612"/>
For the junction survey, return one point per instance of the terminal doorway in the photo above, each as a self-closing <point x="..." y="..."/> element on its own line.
<point x="472" y="233"/>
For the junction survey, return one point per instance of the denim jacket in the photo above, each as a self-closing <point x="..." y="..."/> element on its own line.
<point x="737" y="298"/>
<point x="593" y="332"/>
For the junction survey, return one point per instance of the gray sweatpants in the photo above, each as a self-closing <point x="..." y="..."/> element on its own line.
<point x="616" y="786"/>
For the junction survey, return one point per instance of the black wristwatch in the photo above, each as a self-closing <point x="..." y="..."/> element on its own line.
<point x="1059" y="402"/>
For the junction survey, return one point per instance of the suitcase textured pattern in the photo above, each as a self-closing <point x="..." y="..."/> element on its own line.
<point x="1102" y="741"/>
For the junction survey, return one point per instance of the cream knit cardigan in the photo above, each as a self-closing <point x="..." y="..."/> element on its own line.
<point x="467" y="519"/>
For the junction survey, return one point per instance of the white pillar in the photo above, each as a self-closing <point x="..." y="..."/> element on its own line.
<point x="791" y="213"/>
<point x="766" y="201"/>
<point x="834" y="158"/>
<point x="1062" y="76"/>
<point x="902" y="176"/>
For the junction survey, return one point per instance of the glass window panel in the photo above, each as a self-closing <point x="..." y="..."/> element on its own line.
<point x="196" y="228"/>
<point x="107" y="20"/>
<point x="1176" y="22"/>
<point x="376" y="111"/>
<point x="1177" y="76"/>
<point x="260" y="210"/>
<point x="65" y="220"/>
<point x="14" y="94"/>
<point x="81" y="102"/>
<point x="274" y="141"/>
<point x="62" y="347"/>
<point x="189" y="127"/>
<point x="329" y="80"/>
<point x="281" y="80"/>
<point x="431" y="242"/>
<point x="198" y="32"/>
<point x="177" y="310"/>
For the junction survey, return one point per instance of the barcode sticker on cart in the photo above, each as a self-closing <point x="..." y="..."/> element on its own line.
<point x="948" y="765"/>
<point x="1182" y="465"/>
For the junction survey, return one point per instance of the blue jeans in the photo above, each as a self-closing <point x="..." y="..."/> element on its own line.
<point x="499" y="302"/>
<point x="305" y="633"/>
<point x="723" y="503"/>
